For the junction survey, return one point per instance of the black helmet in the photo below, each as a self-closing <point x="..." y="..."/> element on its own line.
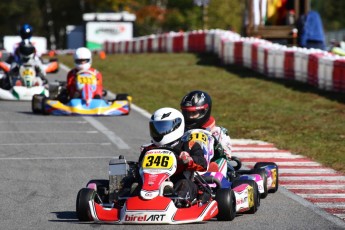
<point x="196" y="108"/>
<point x="26" y="31"/>
<point x="26" y="51"/>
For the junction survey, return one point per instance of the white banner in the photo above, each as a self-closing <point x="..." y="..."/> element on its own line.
<point x="99" y="32"/>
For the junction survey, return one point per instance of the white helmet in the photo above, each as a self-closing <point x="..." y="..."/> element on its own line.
<point x="82" y="58"/>
<point x="166" y="126"/>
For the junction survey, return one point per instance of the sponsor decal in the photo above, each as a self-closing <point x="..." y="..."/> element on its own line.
<point x="143" y="218"/>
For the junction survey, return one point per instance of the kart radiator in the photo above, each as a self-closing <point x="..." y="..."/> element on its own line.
<point x="118" y="170"/>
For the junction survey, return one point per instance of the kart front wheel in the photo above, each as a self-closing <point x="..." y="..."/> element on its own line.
<point x="253" y="194"/>
<point x="36" y="103"/>
<point x="226" y="204"/>
<point x="82" y="204"/>
<point x="275" y="174"/>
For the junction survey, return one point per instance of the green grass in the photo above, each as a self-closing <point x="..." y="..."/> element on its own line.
<point x="292" y="115"/>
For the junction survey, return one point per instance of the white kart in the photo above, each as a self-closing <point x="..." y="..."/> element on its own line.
<point x="25" y="85"/>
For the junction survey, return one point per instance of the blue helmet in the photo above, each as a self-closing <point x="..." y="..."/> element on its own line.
<point x="26" y="31"/>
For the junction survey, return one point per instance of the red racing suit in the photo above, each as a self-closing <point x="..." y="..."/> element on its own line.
<point x="71" y="83"/>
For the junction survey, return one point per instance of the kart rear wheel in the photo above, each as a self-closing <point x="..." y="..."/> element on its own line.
<point x="253" y="197"/>
<point x="263" y="164"/>
<point x="226" y="204"/>
<point x="82" y="204"/>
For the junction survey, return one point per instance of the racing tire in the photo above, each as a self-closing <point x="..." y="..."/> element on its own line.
<point x="36" y="103"/>
<point x="102" y="188"/>
<point x="255" y="196"/>
<point x="263" y="164"/>
<point x="226" y="204"/>
<point x="82" y="204"/>
<point x="238" y="162"/>
<point x="121" y="96"/>
<point x="262" y="173"/>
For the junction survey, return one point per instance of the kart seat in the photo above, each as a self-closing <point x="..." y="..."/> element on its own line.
<point x="213" y="167"/>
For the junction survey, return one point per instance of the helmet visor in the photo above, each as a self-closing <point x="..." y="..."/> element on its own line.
<point x="158" y="129"/>
<point x="194" y="112"/>
<point x="81" y="61"/>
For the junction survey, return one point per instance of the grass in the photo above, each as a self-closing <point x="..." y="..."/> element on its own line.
<point x="292" y="115"/>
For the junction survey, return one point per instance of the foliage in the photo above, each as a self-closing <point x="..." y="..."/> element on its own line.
<point x="332" y="13"/>
<point x="153" y="16"/>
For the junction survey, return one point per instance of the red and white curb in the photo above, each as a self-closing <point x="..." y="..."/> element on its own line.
<point x="315" y="183"/>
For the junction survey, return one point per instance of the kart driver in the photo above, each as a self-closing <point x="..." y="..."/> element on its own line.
<point x="83" y="60"/>
<point x="25" y="54"/>
<point x="166" y="129"/>
<point x="196" y="108"/>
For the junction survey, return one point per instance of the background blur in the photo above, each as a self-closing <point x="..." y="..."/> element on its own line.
<point x="51" y="19"/>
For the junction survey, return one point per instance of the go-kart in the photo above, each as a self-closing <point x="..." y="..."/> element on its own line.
<point x="23" y="86"/>
<point x="154" y="202"/>
<point x="246" y="190"/>
<point x="265" y="174"/>
<point x="86" y="104"/>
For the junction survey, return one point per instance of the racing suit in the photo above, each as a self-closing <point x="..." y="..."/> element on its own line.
<point x="71" y="84"/>
<point x="13" y="77"/>
<point x="221" y="135"/>
<point x="184" y="186"/>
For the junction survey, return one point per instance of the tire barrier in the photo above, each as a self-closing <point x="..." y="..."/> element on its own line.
<point x="315" y="67"/>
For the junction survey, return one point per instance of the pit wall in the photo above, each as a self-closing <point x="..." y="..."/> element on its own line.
<point x="315" y="67"/>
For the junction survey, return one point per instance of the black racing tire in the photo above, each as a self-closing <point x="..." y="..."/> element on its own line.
<point x="226" y="204"/>
<point x="102" y="188"/>
<point x="255" y="196"/>
<point x="262" y="173"/>
<point x="82" y="204"/>
<point x="121" y="96"/>
<point x="44" y="101"/>
<point x="263" y="164"/>
<point x="37" y="99"/>
<point x="99" y="182"/>
<point x="238" y="163"/>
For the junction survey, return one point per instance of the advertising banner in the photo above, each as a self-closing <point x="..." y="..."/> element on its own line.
<point x="99" y="32"/>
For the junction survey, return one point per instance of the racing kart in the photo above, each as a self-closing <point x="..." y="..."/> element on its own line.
<point x="265" y="174"/>
<point x="154" y="202"/>
<point x="246" y="190"/>
<point x="86" y="84"/>
<point x="23" y="86"/>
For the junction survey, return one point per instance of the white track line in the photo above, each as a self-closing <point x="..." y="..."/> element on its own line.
<point x="330" y="205"/>
<point x="51" y="132"/>
<point x="307" y="171"/>
<point x="330" y="195"/>
<point x="110" y="134"/>
<point x="244" y="155"/>
<point x="316" y="186"/>
<point x="316" y="178"/>
<point x="54" y="158"/>
<point x="44" y="122"/>
<point x="62" y="144"/>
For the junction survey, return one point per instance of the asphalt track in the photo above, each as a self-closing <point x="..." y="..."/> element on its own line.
<point x="45" y="160"/>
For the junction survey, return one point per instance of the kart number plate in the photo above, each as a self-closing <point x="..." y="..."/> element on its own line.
<point x="89" y="79"/>
<point x="155" y="161"/>
<point x="198" y="137"/>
